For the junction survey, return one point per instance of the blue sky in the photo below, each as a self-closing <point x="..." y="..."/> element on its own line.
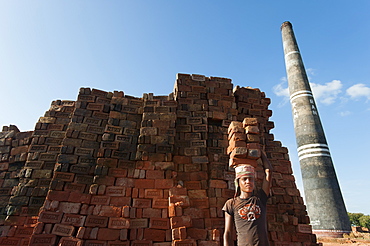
<point x="49" y="49"/>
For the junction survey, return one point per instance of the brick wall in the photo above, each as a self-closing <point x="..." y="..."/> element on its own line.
<point x="111" y="169"/>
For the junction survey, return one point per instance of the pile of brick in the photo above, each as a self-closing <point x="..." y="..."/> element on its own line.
<point x="111" y="169"/>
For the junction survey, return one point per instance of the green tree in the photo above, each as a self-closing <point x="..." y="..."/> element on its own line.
<point x="365" y="221"/>
<point x="354" y="218"/>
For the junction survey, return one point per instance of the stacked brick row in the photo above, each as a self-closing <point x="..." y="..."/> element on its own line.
<point x="73" y="169"/>
<point x="288" y="223"/>
<point x="205" y="106"/>
<point x="15" y="217"/>
<point x="9" y="168"/>
<point x="154" y="173"/>
<point x="35" y="176"/>
<point x="150" y="171"/>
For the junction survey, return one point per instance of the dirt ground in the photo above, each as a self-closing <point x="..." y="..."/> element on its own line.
<point x="344" y="241"/>
<point x="358" y="237"/>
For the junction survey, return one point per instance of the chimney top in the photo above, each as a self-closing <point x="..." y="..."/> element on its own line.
<point x="286" y="23"/>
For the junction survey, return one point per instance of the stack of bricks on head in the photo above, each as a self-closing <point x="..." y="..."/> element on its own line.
<point x="244" y="143"/>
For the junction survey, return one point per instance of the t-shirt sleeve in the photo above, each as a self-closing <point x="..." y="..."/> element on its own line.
<point x="227" y="207"/>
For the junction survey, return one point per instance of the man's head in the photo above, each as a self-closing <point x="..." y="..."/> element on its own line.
<point x="244" y="178"/>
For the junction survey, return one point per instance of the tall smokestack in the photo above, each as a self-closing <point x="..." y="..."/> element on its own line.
<point x="324" y="199"/>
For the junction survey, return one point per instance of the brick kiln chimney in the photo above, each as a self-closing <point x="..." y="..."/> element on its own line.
<point x="324" y="200"/>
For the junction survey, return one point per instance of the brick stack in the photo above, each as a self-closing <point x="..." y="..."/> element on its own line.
<point x="152" y="171"/>
<point x="18" y="224"/>
<point x="63" y="210"/>
<point x="205" y="107"/>
<point x="287" y="216"/>
<point x="41" y="148"/>
<point x="9" y="171"/>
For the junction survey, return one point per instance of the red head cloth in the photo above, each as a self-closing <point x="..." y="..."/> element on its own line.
<point x="243" y="171"/>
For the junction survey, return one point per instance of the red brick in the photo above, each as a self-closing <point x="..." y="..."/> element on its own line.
<point x="69" y="207"/>
<point x="110" y="211"/>
<point x="141" y="243"/>
<point x="58" y="195"/>
<point x="159" y="223"/>
<point x="181" y="159"/>
<point x="96" y="221"/>
<point x="144" y="183"/>
<point x="182" y="201"/>
<point x="73" y="219"/>
<point x="160" y="203"/>
<point x="120" y="201"/>
<point x="200" y="203"/>
<point x="180" y="221"/>
<point x="23" y="231"/>
<point x="108" y="234"/>
<point x="19" y="150"/>
<point x="217" y="223"/>
<point x="10" y="241"/>
<point x="164" y="165"/>
<point x="141" y="203"/>
<point x="69" y="241"/>
<point x="95" y="243"/>
<point x="163" y="183"/>
<point x="104" y="180"/>
<point x="30" y="221"/>
<point x="152" y="212"/>
<point x="193" y="185"/>
<point x="179" y="233"/>
<point x="304" y="228"/>
<point x="100" y="200"/>
<point x="214" y="183"/>
<point x="237" y="161"/>
<point x="63" y="230"/>
<point x="43" y="240"/>
<point x="118" y="243"/>
<point x="109" y="162"/>
<point x="50" y="217"/>
<point x="197" y="194"/>
<point x="153" y="193"/>
<point x="138" y="223"/>
<point x="178" y="191"/>
<point x="195" y="233"/>
<point x="194" y="212"/>
<point x="118" y="223"/>
<point x="155" y="174"/>
<point x="76" y="188"/>
<point x="154" y="235"/>
<point x="117" y="172"/>
<point x="198" y="176"/>
<point x="78" y="197"/>
<point x="126" y="211"/>
<point x="186" y="242"/>
<point x="115" y="191"/>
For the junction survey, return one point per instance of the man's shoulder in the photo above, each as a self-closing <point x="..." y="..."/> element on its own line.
<point x="230" y="200"/>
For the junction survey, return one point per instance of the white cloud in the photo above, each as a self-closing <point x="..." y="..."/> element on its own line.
<point x="345" y="113"/>
<point x="279" y="90"/>
<point x="328" y="93"/>
<point x="311" y="71"/>
<point x="282" y="91"/>
<point x="359" y="90"/>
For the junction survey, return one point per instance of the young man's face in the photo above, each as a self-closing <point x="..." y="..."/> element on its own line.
<point x="246" y="184"/>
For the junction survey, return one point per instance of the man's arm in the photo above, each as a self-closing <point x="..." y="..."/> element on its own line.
<point x="267" y="181"/>
<point x="229" y="226"/>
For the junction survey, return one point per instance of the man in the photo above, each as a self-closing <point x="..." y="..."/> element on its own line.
<point x="247" y="210"/>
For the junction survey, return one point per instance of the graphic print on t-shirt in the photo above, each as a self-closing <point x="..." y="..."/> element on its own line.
<point x="250" y="212"/>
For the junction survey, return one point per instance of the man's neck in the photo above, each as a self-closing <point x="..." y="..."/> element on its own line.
<point x="245" y="195"/>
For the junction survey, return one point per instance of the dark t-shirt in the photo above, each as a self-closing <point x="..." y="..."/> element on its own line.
<point x="250" y="219"/>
